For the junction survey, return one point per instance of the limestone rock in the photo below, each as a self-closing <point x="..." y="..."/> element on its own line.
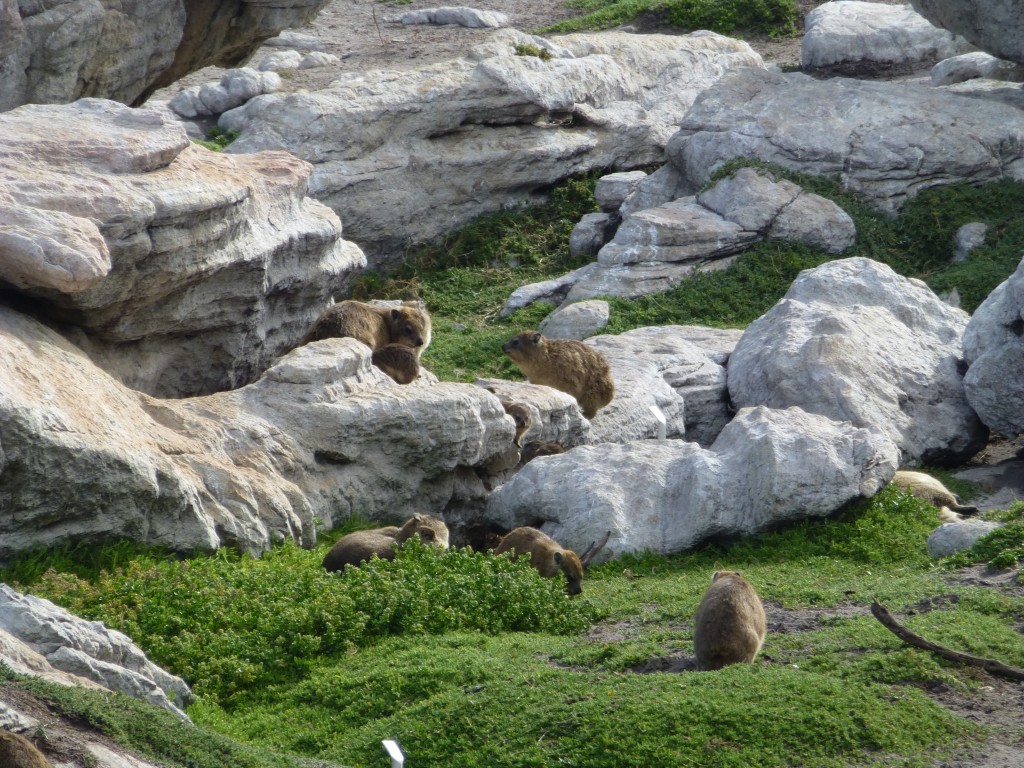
<point x="235" y="88"/>
<point x="460" y="15"/>
<point x="181" y="271"/>
<point x="575" y="321"/>
<point x="588" y="235"/>
<point x="968" y="237"/>
<point x="89" y="650"/>
<point x="886" y="141"/>
<point x="969" y="66"/>
<point x="993" y="26"/>
<point x="855" y="38"/>
<point x="994" y="351"/>
<point x="612" y="189"/>
<point x="754" y="476"/>
<point x="321" y="436"/>
<point x="950" y="538"/>
<point x="61" y="51"/>
<point x="854" y="341"/>
<point x="680" y="370"/>
<point x="486" y="131"/>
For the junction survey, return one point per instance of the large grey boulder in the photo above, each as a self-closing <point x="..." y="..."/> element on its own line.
<point x="977" y="65"/>
<point x="865" y="39"/>
<point x="182" y="271"/>
<point x="321" y="436"/>
<point x="854" y="341"/>
<point x="458" y="15"/>
<point x="392" y="149"/>
<point x="950" y="538"/>
<point x="994" y="351"/>
<point x="44" y="640"/>
<point x="994" y="26"/>
<point x="886" y="141"/>
<point x="678" y="371"/>
<point x="60" y="51"/>
<point x="670" y="495"/>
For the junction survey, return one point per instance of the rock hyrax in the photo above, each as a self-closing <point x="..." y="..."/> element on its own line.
<point x="929" y="489"/>
<point x="521" y="415"/>
<point x="398" y="361"/>
<point x="546" y="555"/>
<point x="18" y="752"/>
<point x="359" y="546"/>
<point x="375" y="326"/>
<point x="564" y="364"/>
<point x="730" y="624"/>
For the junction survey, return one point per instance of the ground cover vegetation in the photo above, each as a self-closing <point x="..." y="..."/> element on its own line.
<point x="771" y="17"/>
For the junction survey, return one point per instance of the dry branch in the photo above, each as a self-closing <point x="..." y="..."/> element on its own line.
<point x="881" y="613"/>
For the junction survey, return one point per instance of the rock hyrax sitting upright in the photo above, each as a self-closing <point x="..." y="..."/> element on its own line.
<point x="359" y="546"/>
<point x="375" y="326"/>
<point x="564" y="364"/>
<point x="546" y="555"/>
<point x="730" y="624"/>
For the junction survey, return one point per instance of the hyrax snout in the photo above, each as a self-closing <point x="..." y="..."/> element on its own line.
<point x="730" y="623"/>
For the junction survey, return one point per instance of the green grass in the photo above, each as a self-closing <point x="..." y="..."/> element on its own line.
<point x="772" y="17"/>
<point x="467" y="659"/>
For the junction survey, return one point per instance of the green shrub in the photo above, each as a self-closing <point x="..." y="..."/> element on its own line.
<point x="217" y="138"/>
<point x="526" y="49"/>
<point x="776" y="17"/>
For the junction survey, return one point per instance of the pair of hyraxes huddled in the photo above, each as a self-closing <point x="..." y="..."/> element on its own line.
<point x="398" y="335"/>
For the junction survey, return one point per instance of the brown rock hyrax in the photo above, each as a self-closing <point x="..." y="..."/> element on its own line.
<point x="564" y="364"/>
<point x="546" y="555"/>
<point x="18" y="752"/>
<point x="927" y="488"/>
<point x="539" y="448"/>
<point x="375" y="326"/>
<point x="730" y="624"/>
<point x="398" y="361"/>
<point x="359" y="546"/>
<point x="521" y="415"/>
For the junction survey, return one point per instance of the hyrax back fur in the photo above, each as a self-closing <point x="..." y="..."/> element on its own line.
<point x="546" y="555"/>
<point x="375" y="326"/>
<point x="564" y="364"/>
<point x="927" y="488"/>
<point x="18" y="752"/>
<point x="359" y="546"/>
<point x="398" y="361"/>
<point x="730" y="623"/>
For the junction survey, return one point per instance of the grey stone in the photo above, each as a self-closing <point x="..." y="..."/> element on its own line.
<point x="588" y="235"/>
<point x="575" y="321"/>
<point x="992" y="26"/>
<point x="969" y="237"/>
<point x="976" y="65"/>
<point x="612" y="189"/>
<point x="950" y="538"/>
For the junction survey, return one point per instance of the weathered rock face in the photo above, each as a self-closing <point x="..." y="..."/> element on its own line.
<point x="678" y="369"/>
<point x="41" y="639"/>
<point x="180" y="270"/>
<point x="992" y="26"/>
<point x="392" y="149"/>
<point x="61" y="51"/>
<point x="321" y="436"/>
<point x="994" y="351"/>
<point x="886" y="141"/>
<point x="854" y="341"/>
<point x="850" y="37"/>
<point x="670" y="495"/>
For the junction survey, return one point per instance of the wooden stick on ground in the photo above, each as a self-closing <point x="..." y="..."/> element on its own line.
<point x="881" y="613"/>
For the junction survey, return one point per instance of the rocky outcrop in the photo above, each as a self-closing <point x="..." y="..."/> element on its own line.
<point x="994" y="351"/>
<point x="61" y="51"/>
<point x="671" y="495"/>
<point x="854" y="341"/>
<point x="477" y="134"/>
<point x="41" y="639"/>
<point x="992" y="26"/>
<point x="181" y="271"/>
<point x="864" y="39"/>
<point x="886" y="141"/>
<point x="321" y="436"/>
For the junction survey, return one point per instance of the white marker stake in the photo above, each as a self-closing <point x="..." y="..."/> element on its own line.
<point x="662" y="423"/>
<point x="397" y="758"/>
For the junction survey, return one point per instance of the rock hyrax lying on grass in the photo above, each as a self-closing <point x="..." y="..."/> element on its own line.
<point x="358" y="546"/>
<point x="927" y="488"/>
<point x="546" y="555"/>
<point x="564" y="364"/>
<point x="730" y="624"/>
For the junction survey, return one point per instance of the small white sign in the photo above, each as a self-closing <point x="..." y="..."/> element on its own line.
<point x="395" y="752"/>
<point x="662" y="423"/>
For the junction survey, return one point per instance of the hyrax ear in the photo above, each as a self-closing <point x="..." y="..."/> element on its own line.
<point x="536" y="338"/>
<point x="559" y="557"/>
